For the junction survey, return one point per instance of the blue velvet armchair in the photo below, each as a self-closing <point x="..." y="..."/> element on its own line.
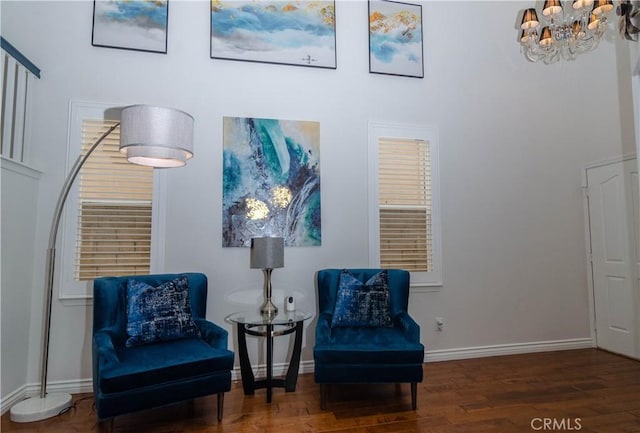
<point x="129" y="379"/>
<point x="367" y="354"/>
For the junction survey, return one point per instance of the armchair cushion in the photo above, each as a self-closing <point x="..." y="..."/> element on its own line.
<point x="155" y="364"/>
<point x="159" y="313"/>
<point x="367" y="345"/>
<point x="362" y="303"/>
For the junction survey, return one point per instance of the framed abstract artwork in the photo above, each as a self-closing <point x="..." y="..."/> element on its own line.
<point x="395" y="39"/>
<point x="271" y="181"/>
<point x="139" y="25"/>
<point x="300" y="33"/>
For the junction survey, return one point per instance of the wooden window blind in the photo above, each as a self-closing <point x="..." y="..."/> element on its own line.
<point x="115" y="205"/>
<point x="404" y="189"/>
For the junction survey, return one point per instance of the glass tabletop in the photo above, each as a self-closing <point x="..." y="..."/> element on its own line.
<point x="256" y="319"/>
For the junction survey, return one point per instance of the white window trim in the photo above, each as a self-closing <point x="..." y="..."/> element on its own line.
<point x="70" y="291"/>
<point x="420" y="281"/>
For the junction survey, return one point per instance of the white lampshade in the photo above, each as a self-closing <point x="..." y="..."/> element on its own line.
<point x="156" y="136"/>
<point x="267" y="253"/>
<point x="545" y="37"/>
<point x="593" y="21"/>
<point x="602" y="6"/>
<point x="579" y="4"/>
<point x="551" y="7"/>
<point x="529" y="19"/>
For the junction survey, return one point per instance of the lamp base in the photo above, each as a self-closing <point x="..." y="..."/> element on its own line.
<point x="268" y="309"/>
<point x="37" y="408"/>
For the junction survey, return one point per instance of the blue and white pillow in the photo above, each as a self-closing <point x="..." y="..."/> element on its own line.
<point x="362" y="304"/>
<point x="159" y="313"/>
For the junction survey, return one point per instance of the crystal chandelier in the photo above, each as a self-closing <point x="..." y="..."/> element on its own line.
<point x="568" y="29"/>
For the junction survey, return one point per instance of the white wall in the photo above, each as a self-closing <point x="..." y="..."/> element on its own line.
<point x="514" y="137"/>
<point x="19" y="207"/>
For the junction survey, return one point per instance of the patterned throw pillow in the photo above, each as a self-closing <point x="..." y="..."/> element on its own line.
<point x="159" y="313"/>
<point x="362" y="304"/>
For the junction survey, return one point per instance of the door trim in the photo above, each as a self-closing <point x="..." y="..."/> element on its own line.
<point x="602" y="163"/>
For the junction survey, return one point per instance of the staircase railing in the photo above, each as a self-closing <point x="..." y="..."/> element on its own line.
<point x="17" y="74"/>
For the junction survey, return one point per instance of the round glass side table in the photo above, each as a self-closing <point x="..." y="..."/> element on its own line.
<point x="253" y="323"/>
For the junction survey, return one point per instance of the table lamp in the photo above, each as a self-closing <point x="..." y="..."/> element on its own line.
<point x="267" y="254"/>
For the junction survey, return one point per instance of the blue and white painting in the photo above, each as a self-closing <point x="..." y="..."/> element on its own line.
<point x="301" y="33"/>
<point x="271" y="181"/>
<point x="131" y="24"/>
<point x="395" y="38"/>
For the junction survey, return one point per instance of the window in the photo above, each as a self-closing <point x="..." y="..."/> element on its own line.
<point x="114" y="209"/>
<point x="113" y="220"/>
<point x="404" y="201"/>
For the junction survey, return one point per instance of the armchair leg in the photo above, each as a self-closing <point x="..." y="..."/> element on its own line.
<point x="323" y="396"/>
<point x="105" y="426"/>
<point x="414" y="395"/>
<point x="220" y="405"/>
<point x="191" y="407"/>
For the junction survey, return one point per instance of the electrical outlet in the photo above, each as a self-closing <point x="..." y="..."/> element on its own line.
<point x="439" y="324"/>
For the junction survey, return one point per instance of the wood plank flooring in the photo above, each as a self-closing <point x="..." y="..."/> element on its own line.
<point x="590" y="391"/>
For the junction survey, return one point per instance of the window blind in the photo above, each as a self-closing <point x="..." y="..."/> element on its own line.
<point x="404" y="188"/>
<point x="115" y="205"/>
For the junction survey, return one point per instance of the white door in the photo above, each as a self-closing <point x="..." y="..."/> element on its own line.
<point x="614" y="227"/>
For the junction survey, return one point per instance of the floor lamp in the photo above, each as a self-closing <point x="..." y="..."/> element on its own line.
<point x="153" y="136"/>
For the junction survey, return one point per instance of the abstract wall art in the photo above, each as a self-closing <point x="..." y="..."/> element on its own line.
<point x="133" y="25"/>
<point x="271" y="181"/>
<point x="300" y="33"/>
<point x="395" y="38"/>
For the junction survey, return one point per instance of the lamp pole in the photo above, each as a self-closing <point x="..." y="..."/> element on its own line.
<point x="46" y="406"/>
<point x="51" y="254"/>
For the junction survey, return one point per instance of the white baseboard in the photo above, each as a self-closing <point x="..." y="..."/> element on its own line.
<point x="507" y="349"/>
<point x="13" y="398"/>
<point x="33" y="390"/>
<point x="86" y="385"/>
<point x="278" y="370"/>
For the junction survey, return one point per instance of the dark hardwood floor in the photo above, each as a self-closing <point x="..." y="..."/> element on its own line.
<point x="580" y="390"/>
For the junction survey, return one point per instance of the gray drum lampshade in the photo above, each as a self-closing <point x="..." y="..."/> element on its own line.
<point x="156" y="136"/>
<point x="267" y="253"/>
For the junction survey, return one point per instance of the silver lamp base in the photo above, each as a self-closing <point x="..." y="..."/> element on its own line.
<point x="268" y="309"/>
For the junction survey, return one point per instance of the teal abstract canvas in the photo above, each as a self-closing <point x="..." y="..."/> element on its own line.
<point x="271" y="181"/>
